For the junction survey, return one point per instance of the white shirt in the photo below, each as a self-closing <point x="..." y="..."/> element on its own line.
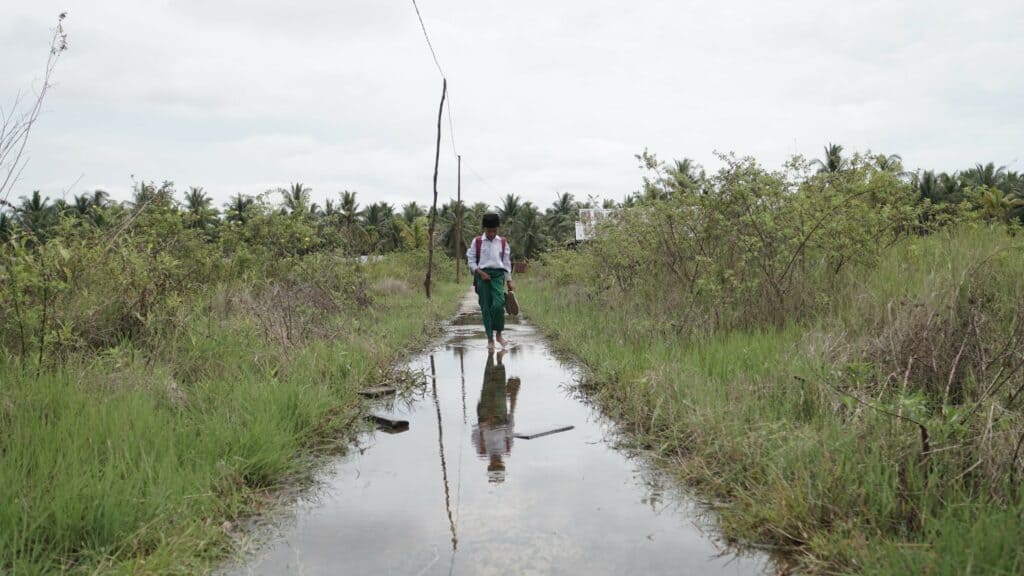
<point x="491" y="255"/>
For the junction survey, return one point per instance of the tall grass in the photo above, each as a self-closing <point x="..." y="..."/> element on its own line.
<point x="809" y="435"/>
<point x="131" y="458"/>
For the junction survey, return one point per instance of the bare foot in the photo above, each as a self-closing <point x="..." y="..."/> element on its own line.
<point x="490" y="343"/>
<point x="502" y="341"/>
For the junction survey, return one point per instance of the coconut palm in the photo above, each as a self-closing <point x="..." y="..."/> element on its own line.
<point x="986" y="175"/>
<point x="296" y="198"/>
<point x="6" y="227"/>
<point x="998" y="206"/>
<point x="199" y="213"/>
<point x="951" y="188"/>
<point x="147" y="194"/>
<point x="528" y="237"/>
<point x="560" y="217"/>
<point x="412" y="211"/>
<point x="833" y="162"/>
<point x="36" y="215"/>
<point x="239" y="209"/>
<point x="509" y="209"/>
<point x="377" y="223"/>
<point x="889" y="163"/>
<point x="349" y="207"/>
<point x="684" y="175"/>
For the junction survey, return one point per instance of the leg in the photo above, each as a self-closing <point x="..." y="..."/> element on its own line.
<point x="483" y="290"/>
<point x="497" y="288"/>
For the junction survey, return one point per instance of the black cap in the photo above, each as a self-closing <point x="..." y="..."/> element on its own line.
<point x="491" y="220"/>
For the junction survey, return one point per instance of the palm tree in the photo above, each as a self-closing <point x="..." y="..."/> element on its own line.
<point x="6" y="227"/>
<point x="889" y="163"/>
<point x="36" y="215"/>
<point x="560" y="217"/>
<point x="375" y="220"/>
<point x="683" y="175"/>
<point x="833" y="162"/>
<point x="951" y="188"/>
<point x="349" y="207"/>
<point x="296" y="198"/>
<point x="998" y="206"/>
<point x="147" y="194"/>
<point x="412" y="211"/>
<point x="609" y="204"/>
<point x="528" y="238"/>
<point x="509" y="210"/>
<point x="238" y="209"/>
<point x="197" y="207"/>
<point x="82" y="206"/>
<point x="986" y="175"/>
<point x="100" y="198"/>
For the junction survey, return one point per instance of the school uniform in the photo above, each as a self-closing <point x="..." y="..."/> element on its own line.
<point x="495" y="259"/>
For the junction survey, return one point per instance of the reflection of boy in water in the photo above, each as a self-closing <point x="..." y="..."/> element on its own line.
<point x="492" y="436"/>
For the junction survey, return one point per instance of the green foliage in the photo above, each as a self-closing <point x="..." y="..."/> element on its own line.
<point x="753" y="247"/>
<point x="833" y="349"/>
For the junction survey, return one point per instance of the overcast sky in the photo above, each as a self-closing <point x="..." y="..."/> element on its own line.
<point x="247" y="95"/>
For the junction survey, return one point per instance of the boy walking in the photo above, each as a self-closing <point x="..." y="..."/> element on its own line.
<point x="490" y="260"/>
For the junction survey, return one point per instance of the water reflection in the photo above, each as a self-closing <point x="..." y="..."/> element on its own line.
<point x="495" y="412"/>
<point x="432" y="501"/>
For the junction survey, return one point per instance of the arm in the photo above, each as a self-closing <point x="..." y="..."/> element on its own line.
<point x="471" y="256"/>
<point x="506" y="260"/>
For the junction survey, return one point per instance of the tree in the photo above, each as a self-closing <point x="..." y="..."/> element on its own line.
<point x="238" y="209"/>
<point x="198" y="210"/>
<point x="890" y="163"/>
<point x="995" y="205"/>
<point x="951" y="188"/>
<point x="6" y="227"/>
<point x="412" y="211"/>
<point x="527" y="232"/>
<point x="509" y="210"/>
<point x="349" y="207"/>
<point x="148" y="195"/>
<point x="561" y="216"/>
<point x="36" y="215"/>
<point x="986" y="175"/>
<point x="683" y="176"/>
<point x="833" y="162"/>
<point x="296" y="198"/>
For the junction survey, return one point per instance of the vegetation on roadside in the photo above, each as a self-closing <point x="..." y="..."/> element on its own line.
<point x="836" y="358"/>
<point x="161" y="376"/>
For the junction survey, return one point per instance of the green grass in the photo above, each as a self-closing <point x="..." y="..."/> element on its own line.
<point x="757" y="422"/>
<point x="130" y="460"/>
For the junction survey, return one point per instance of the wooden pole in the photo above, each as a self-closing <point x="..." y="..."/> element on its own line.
<point x="433" y="210"/>
<point x="458" y="227"/>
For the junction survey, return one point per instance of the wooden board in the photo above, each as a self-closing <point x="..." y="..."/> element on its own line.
<point x="377" y="391"/>
<point x="539" y="433"/>
<point x="388" y="424"/>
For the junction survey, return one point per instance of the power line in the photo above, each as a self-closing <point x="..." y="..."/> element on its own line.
<point x="427" y="36"/>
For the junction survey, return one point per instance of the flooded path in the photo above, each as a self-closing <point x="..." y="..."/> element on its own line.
<point x="459" y="493"/>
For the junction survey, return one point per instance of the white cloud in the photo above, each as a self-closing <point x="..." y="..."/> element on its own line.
<point x="548" y="97"/>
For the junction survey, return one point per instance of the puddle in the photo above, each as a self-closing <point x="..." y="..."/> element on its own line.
<point x="459" y="493"/>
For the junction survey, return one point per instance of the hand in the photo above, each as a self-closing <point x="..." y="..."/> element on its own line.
<point x="483" y="275"/>
<point x="511" y="288"/>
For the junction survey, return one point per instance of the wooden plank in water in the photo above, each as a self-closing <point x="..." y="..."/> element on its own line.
<point x="532" y="435"/>
<point x="388" y="424"/>
<point x="377" y="391"/>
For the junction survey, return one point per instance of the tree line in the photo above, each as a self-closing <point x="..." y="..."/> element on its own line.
<point x="303" y="225"/>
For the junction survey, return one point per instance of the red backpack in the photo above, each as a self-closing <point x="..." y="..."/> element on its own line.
<point x="479" y="241"/>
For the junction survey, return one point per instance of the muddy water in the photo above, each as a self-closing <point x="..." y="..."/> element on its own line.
<point x="458" y="493"/>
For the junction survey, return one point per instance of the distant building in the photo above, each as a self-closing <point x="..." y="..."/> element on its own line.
<point x="589" y="219"/>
